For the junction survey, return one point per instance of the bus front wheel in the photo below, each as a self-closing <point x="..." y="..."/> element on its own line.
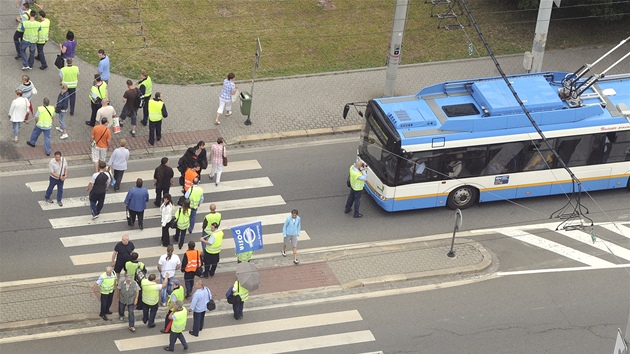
<point x="462" y="197"/>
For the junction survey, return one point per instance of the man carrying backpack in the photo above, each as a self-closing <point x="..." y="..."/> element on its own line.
<point x="132" y="98"/>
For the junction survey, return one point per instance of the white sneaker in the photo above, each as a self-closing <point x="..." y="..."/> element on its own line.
<point x="59" y="129"/>
<point x="64" y="136"/>
<point x="228" y="113"/>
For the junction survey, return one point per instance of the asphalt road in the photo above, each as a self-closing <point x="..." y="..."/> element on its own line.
<point x="308" y="177"/>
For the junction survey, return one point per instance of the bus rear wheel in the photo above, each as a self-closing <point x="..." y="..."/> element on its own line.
<point x="462" y="197"/>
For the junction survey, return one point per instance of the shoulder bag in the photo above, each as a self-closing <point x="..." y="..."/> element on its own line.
<point x="59" y="62"/>
<point x="93" y="143"/>
<point x="211" y="304"/>
<point x="231" y="298"/>
<point x="174" y="220"/>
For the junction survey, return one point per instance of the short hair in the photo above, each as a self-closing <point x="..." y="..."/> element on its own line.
<point x="33" y="13"/>
<point x="129" y="82"/>
<point x="151" y="277"/>
<point x="123" y="142"/>
<point x="69" y="61"/>
<point x="133" y="256"/>
<point x="70" y="36"/>
<point x="102" y="165"/>
<point x="42" y="13"/>
<point x="144" y="73"/>
<point x="26" y="77"/>
<point x="57" y="153"/>
<point x="46" y="101"/>
<point x="191" y="245"/>
<point x="18" y="92"/>
<point x="196" y="165"/>
<point x="231" y="76"/>
<point x="215" y="225"/>
<point x="294" y="211"/>
<point x="196" y="180"/>
<point x="139" y="182"/>
<point x="97" y="77"/>
<point x="104" y="120"/>
<point x="220" y="140"/>
<point x="158" y="95"/>
<point x="164" y="160"/>
<point x="64" y="86"/>
<point x="101" y="51"/>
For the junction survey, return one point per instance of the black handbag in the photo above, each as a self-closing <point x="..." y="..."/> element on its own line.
<point x="211" y="304"/>
<point x="173" y="223"/>
<point x="59" y="62"/>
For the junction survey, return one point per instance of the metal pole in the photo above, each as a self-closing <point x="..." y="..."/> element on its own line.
<point x="458" y="225"/>
<point x="256" y="63"/>
<point x="542" y="30"/>
<point x="395" y="46"/>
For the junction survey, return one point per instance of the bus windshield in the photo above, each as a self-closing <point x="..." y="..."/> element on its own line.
<point x="378" y="148"/>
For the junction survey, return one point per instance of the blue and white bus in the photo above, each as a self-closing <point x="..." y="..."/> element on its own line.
<point x="459" y="143"/>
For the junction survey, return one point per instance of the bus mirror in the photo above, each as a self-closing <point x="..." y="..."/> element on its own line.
<point x="346" y="108"/>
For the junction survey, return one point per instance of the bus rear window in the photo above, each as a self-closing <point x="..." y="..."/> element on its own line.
<point x="459" y="110"/>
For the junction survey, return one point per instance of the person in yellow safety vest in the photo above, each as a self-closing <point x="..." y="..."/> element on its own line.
<point x="19" y="32"/>
<point x="212" y="217"/>
<point x="29" y="40"/>
<point x="43" y="123"/>
<point x="151" y="298"/>
<point x="69" y="76"/>
<point x="179" y="317"/>
<point x="195" y="195"/>
<point x="107" y="283"/>
<point x="213" y="242"/>
<point x="42" y="39"/>
<point x="244" y="256"/>
<point x="145" y="85"/>
<point x="237" y="307"/>
<point x="157" y="112"/>
<point x="191" y="262"/>
<point x="182" y="216"/>
<point x="176" y="295"/>
<point x="357" y="178"/>
<point x="98" y="93"/>
<point x="131" y="267"/>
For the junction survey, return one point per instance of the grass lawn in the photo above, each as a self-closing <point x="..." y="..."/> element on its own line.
<point x="200" y="41"/>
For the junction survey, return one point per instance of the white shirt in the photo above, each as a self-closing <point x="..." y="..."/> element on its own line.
<point x="18" y="110"/>
<point x="169" y="266"/>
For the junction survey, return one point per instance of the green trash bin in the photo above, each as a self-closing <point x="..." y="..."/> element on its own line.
<point x="246" y="103"/>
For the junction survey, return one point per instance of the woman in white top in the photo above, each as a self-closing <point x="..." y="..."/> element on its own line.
<point x="167" y="214"/>
<point x="17" y="113"/>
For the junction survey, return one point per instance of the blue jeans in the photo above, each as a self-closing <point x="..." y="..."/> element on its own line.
<point x="354" y="196"/>
<point x="16" y="128"/>
<point x="40" y="54"/>
<point x="73" y="98"/>
<point x="31" y="57"/>
<point x="62" y="121"/>
<point x="52" y="182"/>
<point x="173" y="337"/>
<point x="193" y="215"/>
<point x="166" y="292"/>
<point x="198" y="319"/>
<point x="130" y="308"/>
<point x="35" y="135"/>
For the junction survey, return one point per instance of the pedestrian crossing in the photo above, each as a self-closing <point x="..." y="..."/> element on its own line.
<point x="605" y="245"/>
<point x="211" y="337"/>
<point x="95" y="247"/>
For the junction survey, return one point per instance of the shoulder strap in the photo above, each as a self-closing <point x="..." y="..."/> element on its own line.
<point x="46" y="108"/>
<point x="104" y="131"/>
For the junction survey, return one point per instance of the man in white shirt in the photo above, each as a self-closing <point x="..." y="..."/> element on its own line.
<point x="168" y="264"/>
<point x="58" y="168"/>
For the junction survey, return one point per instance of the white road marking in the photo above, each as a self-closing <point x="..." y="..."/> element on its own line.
<point x="617" y="228"/>
<point x="558" y="270"/>
<point x="155" y="232"/>
<point x="284" y="324"/>
<point x="149" y="252"/>
<point x="556" y="248"/>
<point x="146" y="175"/>
<point x="606" y="246"/>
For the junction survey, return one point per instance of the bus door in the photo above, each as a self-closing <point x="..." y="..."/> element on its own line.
<point x="417" y="181"/>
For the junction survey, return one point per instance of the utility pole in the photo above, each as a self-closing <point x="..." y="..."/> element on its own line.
<point x="542" y="30"/>
<point x="395" y="46"/>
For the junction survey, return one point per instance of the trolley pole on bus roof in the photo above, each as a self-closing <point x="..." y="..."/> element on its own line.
<point x="395" y="46"/>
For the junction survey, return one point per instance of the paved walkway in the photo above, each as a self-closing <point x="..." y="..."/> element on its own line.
<point x="333" y="272"/>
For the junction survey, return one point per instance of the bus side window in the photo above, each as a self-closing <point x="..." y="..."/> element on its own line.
<point x="620" y="150"/>
<point x="538" y="156"/>
<point x="503" y="158"/>
<point x="597" y="150"/>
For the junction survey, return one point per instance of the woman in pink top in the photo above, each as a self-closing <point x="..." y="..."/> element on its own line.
<point x="217" y="153"/>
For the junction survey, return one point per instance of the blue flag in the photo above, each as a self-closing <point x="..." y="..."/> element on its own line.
<point x="248" y="237"/>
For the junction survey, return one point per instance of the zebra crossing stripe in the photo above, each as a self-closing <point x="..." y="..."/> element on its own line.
<point x="112" y="197"/>
<point x="246" y="329"/>
<point x="617" y="228"/>
<point x="606" y="246"/>
<point x="154" y="213"/>
<point x="131" y="176"/>
<point x="555" y="247"/>
<point x="148" y="252"/>
<point x="156" y="232"/>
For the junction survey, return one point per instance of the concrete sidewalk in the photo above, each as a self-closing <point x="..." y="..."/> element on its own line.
<point x="331" y="272"/>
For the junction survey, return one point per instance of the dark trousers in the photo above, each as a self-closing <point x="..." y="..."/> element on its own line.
<point x="17" y="38"/>
<point x="159" y="194"/>
<point x="198" y="319"/>
<point x="148" y="314"/>
<point x="354" y="197"/>
<point x="238" y="309"/>
<point x="180" y="235"/>
<point x="52" y="182"/>
<point x="96" y="202"/>
<point x="106" y="303"/>
<point x="173" y="337"/>
<point x="155" y="131"/>
<point x="168" y="322"/>
<point x="210" y="262"/>
<point x="72" y="98"/>
<point x="145" y="110"/>
<point x="139" y="214"/>
<point x="118" y="175"/>
<point x="165" y="236"/>
<point x="40" y="54"/>
<point x="189" y="281"/>
<point x="95" y="108"/>
<point x="130" y="308"/>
